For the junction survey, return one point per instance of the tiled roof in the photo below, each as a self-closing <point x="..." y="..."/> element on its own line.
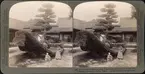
<point x="58" y="29"/>
<point x="124" y="29"/>
<point x="11" y="29"/>
<point x="98" y="27"/>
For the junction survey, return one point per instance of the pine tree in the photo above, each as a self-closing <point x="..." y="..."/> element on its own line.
<point x="108" y="18"/>
<point x="70" y="14"/>
<point x="133" y="12"/>
<point x="46" y="17"/>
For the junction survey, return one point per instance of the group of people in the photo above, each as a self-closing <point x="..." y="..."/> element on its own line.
<point x="119" y="55"/>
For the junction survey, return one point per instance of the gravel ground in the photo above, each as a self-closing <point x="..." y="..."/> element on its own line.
<point x="83" y="59"/>
<point x="18" y="58"/>
<point x="66" y="61"/>
<point x="70" y="58"/>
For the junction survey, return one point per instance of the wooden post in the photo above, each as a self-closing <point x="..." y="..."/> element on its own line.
<point x="60" y="36"/>
<point x="123" y="36"/>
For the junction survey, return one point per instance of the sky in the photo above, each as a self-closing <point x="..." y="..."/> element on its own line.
<point x="85" y="11"/>
<point x="90" y="10"/>
<point x="28" y="10"/>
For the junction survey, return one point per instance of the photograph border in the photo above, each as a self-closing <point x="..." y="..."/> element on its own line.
<point x="4" y="39"/>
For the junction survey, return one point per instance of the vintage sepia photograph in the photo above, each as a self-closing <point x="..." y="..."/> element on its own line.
<point x="105" y="34"/>
<point x="51" y="34"/>
<point x="40" y="34"/>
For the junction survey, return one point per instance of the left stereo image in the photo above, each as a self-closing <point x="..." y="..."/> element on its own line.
<point x="40" y="34"/>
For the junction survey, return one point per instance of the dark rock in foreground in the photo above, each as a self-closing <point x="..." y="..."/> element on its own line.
<point x="26" y="42"/>
<point x="89" y="42"/>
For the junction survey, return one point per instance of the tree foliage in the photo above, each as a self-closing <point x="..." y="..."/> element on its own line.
<point x="133" y="12"/>
<point x="46" y="17"/>
<point x="70" y="14"/>
<point x="108" y="18"/>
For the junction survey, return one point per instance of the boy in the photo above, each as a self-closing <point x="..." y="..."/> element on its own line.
<point x="109" y="57"/>
<point x="47" y="57"/>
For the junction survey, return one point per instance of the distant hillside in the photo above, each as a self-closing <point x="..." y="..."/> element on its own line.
<point x="80" y="24"/>
<point x="67" y="23"/>
<point x="124" y="22"/>
<point x="26" y="25"/>
<point x="128" y="22"/>
<point x="64" y="22"/>
<point x="17" y="24"/>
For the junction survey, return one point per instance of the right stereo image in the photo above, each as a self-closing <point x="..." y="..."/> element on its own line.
<point x="105" y="34"/>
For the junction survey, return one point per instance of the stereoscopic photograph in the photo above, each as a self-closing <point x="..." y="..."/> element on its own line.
<point x="105" y="34"/>
<point x="51" y="34"/>
<point x="40" y="34"/>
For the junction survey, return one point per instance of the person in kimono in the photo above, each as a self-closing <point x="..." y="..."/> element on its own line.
<point x="58" y="54"/>
<point x="47" y="57"/>
<point x="120" y="53"/>
<point x="109" y="57"/>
